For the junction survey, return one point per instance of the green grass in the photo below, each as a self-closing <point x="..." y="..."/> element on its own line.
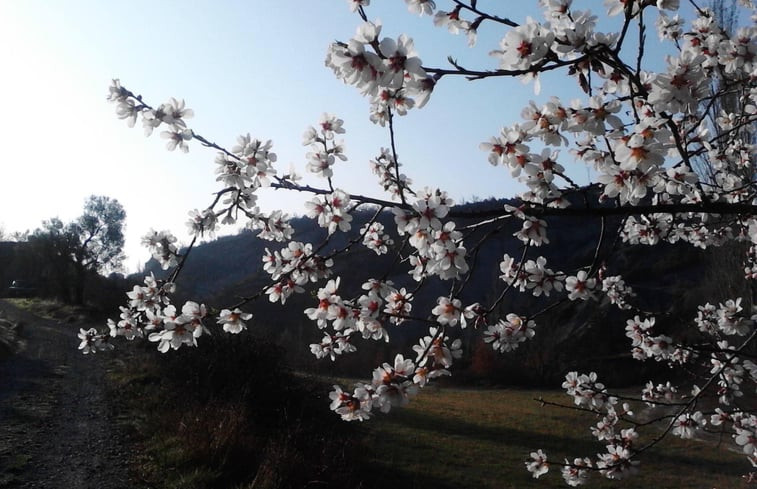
<point x="480" y="439"/>
<point x="50" y="308"/>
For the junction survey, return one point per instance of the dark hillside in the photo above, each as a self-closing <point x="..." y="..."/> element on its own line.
<point x="568" y="336"/>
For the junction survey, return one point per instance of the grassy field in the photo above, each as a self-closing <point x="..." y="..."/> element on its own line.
<point x="446" y="438"/>
<point x="450" y="438"/>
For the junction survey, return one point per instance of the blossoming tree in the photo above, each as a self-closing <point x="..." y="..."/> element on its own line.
<point x="645" y="135"/>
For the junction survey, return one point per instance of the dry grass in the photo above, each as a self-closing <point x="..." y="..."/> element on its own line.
<point x="228" y="415"/>
<point x="480" y="439"/>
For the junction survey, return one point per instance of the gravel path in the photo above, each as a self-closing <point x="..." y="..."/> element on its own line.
<point x="55" y="419"/>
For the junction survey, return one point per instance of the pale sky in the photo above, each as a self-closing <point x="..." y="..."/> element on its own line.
<point x="247" y="66"/>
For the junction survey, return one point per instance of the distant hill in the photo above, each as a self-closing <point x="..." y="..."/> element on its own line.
<point x="569" y="336"/>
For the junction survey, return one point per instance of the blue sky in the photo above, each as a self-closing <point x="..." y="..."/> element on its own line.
<point x="254" y="66"/>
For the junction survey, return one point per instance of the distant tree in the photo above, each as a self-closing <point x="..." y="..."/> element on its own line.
<point x="100" y="231"/>
<point x="19" y="236"/>
<point x="50" y="245"/>
<point x="725" y="98"/>
<point x="93" y="243"/>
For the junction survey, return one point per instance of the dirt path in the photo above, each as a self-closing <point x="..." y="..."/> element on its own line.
<point x="55" y="420"/>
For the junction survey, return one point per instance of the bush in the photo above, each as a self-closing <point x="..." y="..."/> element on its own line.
<point x="232" y="413"/>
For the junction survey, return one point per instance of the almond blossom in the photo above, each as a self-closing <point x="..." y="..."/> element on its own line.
<point x="668" y="149"/>
<point x="234" y="321"/>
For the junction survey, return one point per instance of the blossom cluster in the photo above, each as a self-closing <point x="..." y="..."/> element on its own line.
<point x="388" y="70"/>
<point x="394" y="385"/>
<point x="669" y="152"/>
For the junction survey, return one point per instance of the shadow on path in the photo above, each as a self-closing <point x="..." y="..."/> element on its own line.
<point x="55" y="430"/>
